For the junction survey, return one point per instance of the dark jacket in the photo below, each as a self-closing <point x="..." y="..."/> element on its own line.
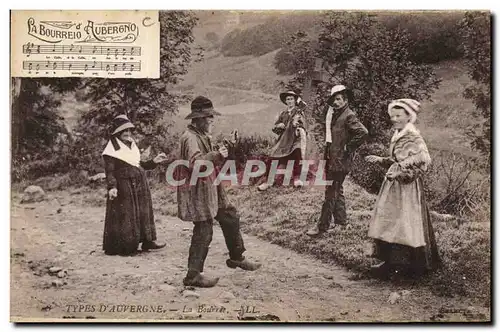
<point x="348" y="133"/>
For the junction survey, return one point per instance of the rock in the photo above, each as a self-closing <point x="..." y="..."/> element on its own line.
<point x="59" y="210"/>
<point x="442" y="216"/>
<point x="226" y="296"/>
<point x="368" y="249"/>
<point x="405" y="293"/>
<point x="83" y="175"/>
<point x="62" y="274"/>
<point x="58" y="283"/>
<point x="55" y="269"/>
<point x="166" y="288"/>
<point x="33" y="194"/>
<point x="97" y="177"/>
<point x="394" y="297"/>
<point x="76" y="191"/>
<point x="190" y="293"/>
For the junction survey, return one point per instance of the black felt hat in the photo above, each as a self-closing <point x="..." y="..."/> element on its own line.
<point x="201" y="107"/>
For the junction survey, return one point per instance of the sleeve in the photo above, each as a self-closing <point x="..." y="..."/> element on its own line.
<point x="193" y="153"/>
<point x="357" y="132"/>
<point x="148" y="165"/>
<point x="300" y="121"/>
<point x="109" y="169"/>
<point x="278" y="119"/>
<point x="414" y="159"/>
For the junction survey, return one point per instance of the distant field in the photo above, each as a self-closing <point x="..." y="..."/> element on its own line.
<point x="443" y="120"/>
<point x="245" y="90"/>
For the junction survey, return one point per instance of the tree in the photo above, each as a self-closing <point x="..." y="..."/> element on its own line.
<point x="476" y="32"/>
<point x="35" y="119"/>
<point x="145" y="101"/>
<point x="374" y="62"/>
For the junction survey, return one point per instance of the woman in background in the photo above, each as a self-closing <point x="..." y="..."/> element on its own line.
<point x="401" y="225"/>
<point x="129" y="209"/>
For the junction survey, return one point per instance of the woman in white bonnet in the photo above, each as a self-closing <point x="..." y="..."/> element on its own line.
<point x="401" y="225"/>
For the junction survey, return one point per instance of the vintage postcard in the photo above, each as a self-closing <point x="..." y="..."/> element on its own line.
<point x="243" y="166"/>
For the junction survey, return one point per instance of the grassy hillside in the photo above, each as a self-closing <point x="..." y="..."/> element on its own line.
<point x="443" y="120"/>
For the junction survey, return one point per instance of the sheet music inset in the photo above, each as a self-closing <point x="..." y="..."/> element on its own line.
<point x="111" y="44"/>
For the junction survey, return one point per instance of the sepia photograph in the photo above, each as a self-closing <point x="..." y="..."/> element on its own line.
<point x="283" y="166"/>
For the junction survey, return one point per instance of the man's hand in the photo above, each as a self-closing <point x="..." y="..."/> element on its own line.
<point x="162" y="157"/>
<point x="280" y="126"/>
<point x="112" y="193"/>
<point x="223" y="151"/>
<point x="373" y="159"/>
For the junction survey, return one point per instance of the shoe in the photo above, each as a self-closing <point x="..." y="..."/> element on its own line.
<point x="298" y="184"/>
<point x="315" y="231"/>
<point x="264" y="186"/>
<point x="380" y="270"/>
<point x="200" y="281"/>
<point x="151" y="245"/>
<point x="244" y="264"/>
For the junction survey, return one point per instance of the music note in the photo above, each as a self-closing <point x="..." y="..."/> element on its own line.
<point x="93" y="66"/>
<point x="38" y="49"/>
<point x="80" y="50"/>
<point x="107" y="67"/>
<point x="131" y="67"/>
<point x="71" y="48"/>
<point x="47" y="65"/>
<point x="124" y="51"/>
<point x="124" y="66"/>
<point x="132" y="51"/>
<point x="37" y="67"/>
<point x="86" y="67"/>
<point x="108" y="50"/>
<point x="94" y="49"/>
<point x="70" y="66"/>
<point x="115" y="66"/>
<point x="54" y="49"/>
<point x="30" y="66"/>
<point x="116" y="52"/>
<point x="54" y="66"/>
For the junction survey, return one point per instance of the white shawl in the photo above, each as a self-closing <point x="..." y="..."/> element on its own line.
<point x="130" y="155"/>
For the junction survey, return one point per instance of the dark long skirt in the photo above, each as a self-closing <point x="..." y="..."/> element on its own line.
<point x="129" y="217"/>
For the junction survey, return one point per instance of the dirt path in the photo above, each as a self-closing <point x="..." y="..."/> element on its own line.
<point x="67" y="232"/>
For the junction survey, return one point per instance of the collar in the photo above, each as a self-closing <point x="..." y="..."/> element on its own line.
<point x="408" y="128"/>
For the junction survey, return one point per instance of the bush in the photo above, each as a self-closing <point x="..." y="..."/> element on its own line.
<point x="367" y="175"/>
<point x="456" y="184"/>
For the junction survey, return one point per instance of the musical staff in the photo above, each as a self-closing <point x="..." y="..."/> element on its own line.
<point x="82" y="66"/>
<point x="31" y="48"/>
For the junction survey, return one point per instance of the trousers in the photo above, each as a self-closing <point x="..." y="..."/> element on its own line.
<point x="334" y="204"/>
<point x="229" y="221"/>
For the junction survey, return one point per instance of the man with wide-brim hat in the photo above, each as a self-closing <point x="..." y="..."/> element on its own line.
<point x="204" y="201"/>
<point x="344" y="133"/>
<point x="291" y="127"/>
